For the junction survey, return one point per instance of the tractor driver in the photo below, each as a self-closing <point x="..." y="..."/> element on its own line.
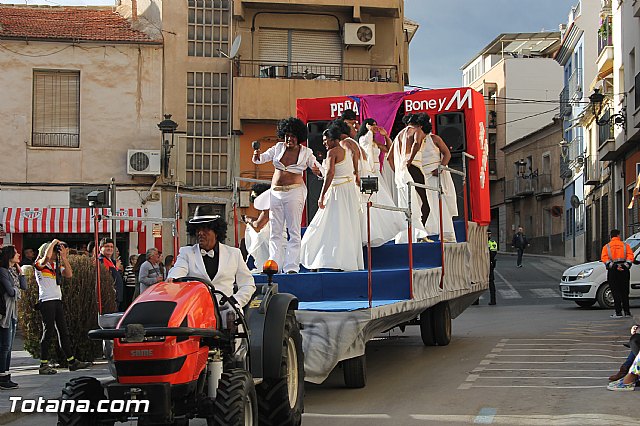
<point x="213" y="261"/>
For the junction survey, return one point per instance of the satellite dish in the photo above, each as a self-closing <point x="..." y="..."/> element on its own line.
<point x="235" y="46"/>
<point x="575" y="201"/>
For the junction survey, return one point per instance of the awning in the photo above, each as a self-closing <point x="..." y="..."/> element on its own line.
<point x="66" y="220"/>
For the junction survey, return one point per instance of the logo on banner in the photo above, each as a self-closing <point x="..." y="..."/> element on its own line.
<point x="31" y="214"/>
<point x="484" y="144"/>
<point x="440" y="104"/>
<point x="338" y="108"/>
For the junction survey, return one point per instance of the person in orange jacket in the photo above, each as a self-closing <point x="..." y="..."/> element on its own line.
<point x="618" y="257"/>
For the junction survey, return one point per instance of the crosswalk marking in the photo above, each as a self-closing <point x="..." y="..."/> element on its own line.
<point x="545" y="292"/>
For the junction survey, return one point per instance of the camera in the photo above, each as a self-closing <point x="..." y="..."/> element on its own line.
<point x="58" y="247"/>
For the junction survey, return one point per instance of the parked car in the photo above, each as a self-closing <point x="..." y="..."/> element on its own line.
<point x="587" y="284"/>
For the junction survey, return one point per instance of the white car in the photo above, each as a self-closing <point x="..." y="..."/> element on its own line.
<point x="586" y="283"/>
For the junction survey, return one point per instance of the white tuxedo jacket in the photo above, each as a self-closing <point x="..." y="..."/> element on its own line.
<point x="231" y="269"/>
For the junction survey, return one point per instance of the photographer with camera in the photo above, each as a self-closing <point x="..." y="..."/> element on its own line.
<point x="52" y="264"/>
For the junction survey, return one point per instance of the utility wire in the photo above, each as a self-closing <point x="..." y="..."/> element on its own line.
<point x="528" y="116"/>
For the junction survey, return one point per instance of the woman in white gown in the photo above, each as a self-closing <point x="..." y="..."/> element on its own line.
<point x="333" y="239"/>
<point x="385" y="224"/>
<point x="257" y="231"/>
<point x="433" y="152"/>
<point x="398" y="159"/>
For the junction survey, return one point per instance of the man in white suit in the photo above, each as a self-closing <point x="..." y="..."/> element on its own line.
<point x="213" y="261"/>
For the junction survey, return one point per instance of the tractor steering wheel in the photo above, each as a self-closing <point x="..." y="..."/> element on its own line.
<point x="187" y="279"/>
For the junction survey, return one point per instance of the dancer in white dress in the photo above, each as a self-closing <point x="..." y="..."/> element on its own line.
<point x="257" y="231"/>
<point x="433" y="152"/>
<point x="333" y="239"/>
<point x="398" y="159"/>
<point x="385" y="224"/>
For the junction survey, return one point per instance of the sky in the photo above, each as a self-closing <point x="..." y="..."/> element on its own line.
<point x="451" y="31"/>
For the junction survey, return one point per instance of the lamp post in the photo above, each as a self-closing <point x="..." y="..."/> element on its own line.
<point x="168" y="128"/>
<point x="522" y="171"/>
<point x="619" y="119"/>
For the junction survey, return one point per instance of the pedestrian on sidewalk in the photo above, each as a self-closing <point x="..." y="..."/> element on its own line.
<point x="617" y="257"/>
<point x="12" y="280"/>
<point x="493" y="253"/>
<point x="52" y="264"/>
<point x="520" y="242"/>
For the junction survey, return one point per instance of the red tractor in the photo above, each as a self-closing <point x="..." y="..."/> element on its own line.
<point x="175" y="348"/>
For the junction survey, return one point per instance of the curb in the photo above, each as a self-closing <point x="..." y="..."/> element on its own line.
<point x="562" y="261"/>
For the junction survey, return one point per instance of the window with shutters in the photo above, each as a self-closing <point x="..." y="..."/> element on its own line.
<point x="208" y="29"/>
<point x="300" y="53"/>
<point x="56" y="109"/>
<point x="207" y="129"/>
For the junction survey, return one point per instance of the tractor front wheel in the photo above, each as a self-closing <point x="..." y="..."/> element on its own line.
<point x="82" y="388"/>
<point x="281" y="400"/>
<point x="236" y="401"/>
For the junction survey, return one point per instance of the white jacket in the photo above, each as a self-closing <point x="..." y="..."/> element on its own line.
<point x="231" y="270"/>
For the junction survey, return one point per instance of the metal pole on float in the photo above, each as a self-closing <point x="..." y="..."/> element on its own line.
<point x="96" y="221"/>
<point x="369" y="267"/>
<point x="176" y="225"/>
<point x="235" y="213"/>
<point x="464" y="192"/>
<point x="410" y="239"/>
<point x="441" y="224"/>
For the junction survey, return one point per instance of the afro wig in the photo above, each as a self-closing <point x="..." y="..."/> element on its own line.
<point x="294" y="126"/>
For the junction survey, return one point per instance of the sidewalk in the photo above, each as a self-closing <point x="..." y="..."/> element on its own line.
<point x="24" y="371"/>
<point x="561" y="260"/>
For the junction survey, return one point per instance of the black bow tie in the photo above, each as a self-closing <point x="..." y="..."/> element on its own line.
<point x="209" y="253"/>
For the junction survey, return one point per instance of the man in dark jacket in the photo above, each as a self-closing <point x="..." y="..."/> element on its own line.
<point x="520" y="242"/>
<point x="107" y="248"/>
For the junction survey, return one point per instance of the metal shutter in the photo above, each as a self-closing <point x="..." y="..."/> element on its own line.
<point x="273" y="45"/>
<point x="316" y="46"/>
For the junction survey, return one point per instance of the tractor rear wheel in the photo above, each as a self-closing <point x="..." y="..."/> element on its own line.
<point x="281" y="400"/>
<point x="82" y="388"/>
<point x="236" y="401"/>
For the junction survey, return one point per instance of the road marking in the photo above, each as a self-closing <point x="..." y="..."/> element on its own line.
<point x="509" y="294"/>
<point x="349" y="416"/>
<point x="472" y="377"/>
<point x="616" y="345"/>
<point x="586" y="419"/>
<point x="540" y="386"/>
<point x="495" y="350"/>
<point x="536" y="369"/>
<point x="571" y="355"/>
<point x="485" y="416"/>
<point x="558" y="350"/>
<point x="512" y="289"/>
<point x="545" y="293"/>
<point x="464" y="386"/>
<point x="542" y="377"/>
<point x="547" y="362"/>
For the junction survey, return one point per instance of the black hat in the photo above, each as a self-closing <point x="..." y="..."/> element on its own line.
<point x="204" y="214"/>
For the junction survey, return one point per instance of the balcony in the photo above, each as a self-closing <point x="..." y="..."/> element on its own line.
<point x="317" y="71"/>
<point x="57" y="140"/>
<point x="575" y="150"/>
<point x="542" y="185"/>
<point x="492" y="122"/>
<point x="519" y="187"/>
<point x="592" y="171"/>
<point x="605" y="46"/>
<point x="575" y="85"/>
<point x="565" y="106"/>
<point x="493" y="167"/>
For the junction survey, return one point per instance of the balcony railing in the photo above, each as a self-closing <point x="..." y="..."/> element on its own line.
<point x="575" y="84"/>
<point x="565" y="106"/>
<point x="592" y="171"/>
<point x="520" y="187"/>
<point x="57" y="140"/>
<point x="605" y="133"/>
<point x="493" y="166"/>
<point x="317" y="71"/>
<point x="605" y="34"/>
<point x="576" y="149"/>
<point x="542" y="184"/>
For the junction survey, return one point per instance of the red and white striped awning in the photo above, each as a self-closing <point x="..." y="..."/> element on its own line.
<point x="66" y="220"/>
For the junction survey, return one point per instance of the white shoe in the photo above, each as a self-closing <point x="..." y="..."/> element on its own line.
<point x="616" y="316"/>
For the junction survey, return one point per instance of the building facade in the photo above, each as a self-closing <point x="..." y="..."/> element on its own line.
<point x="577" y="55"/>
<point x="518" y="77"/>
<point x="81" y="88"/>
<point x="534" y="189"/>
<point x="232" y="69"/>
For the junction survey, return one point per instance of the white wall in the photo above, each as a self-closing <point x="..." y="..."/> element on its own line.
<point x="531" y="78"/>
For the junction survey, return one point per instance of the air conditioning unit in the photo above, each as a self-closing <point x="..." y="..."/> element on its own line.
<point x="143" y="162"/>
<point x="359" y="34"/>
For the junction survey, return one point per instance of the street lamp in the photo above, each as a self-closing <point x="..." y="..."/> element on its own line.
<point x="522" y="170"/>
<point x="168" y="128"/>
<point x="619" y="119"/>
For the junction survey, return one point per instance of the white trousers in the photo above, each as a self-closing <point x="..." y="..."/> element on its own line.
<point x="433" y="221"/>
<point x="286" y="210"/>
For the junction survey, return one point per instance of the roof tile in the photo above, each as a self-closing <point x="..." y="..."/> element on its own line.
<point x="67" y="23"/>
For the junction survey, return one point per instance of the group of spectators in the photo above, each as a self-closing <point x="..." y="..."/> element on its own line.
<point x="50" y="264"/>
